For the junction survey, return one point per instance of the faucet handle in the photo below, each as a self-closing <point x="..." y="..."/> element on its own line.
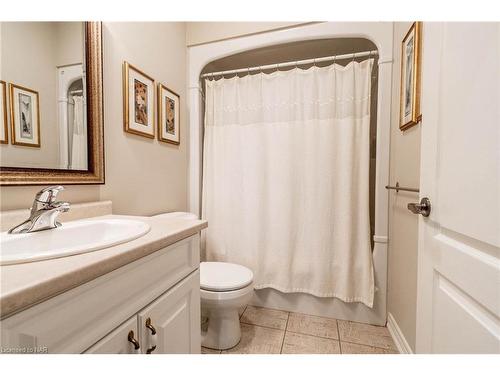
<point x="49" y="194"/>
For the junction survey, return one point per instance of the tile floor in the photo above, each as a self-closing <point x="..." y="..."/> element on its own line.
<point x="267" y="331"/>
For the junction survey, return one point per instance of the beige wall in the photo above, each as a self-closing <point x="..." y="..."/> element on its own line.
<point x="69" y="43"/>
<point x="205" y="32"/>
<point x="23" y="44"/>
<point x="403" y="225"/>
<point x="143" y="176"/>
<point x="45" y="46"/>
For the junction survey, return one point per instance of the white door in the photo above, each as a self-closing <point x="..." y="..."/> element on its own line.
<point x="122" y="340"/>
<point x="171" y="324"/>
<point x="458" y="306"/>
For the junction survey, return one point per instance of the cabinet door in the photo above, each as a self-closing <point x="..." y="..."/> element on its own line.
<point x="119" y="341"/>
<point x="175" y="317"/>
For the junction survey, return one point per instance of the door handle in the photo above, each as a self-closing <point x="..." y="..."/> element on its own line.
<point x="152" y="340"/>
<point x="423" y="208"/>
<point x="132" y="339"/>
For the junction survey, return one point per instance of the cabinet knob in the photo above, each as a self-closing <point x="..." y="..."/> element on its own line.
<point x="152" y="330"/>
<point x="133" y="340"/>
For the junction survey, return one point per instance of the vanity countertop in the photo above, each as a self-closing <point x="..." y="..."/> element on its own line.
<point x="26" y="284"/>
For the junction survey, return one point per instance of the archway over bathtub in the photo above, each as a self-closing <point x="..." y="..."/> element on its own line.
<point x="380" y="34"/>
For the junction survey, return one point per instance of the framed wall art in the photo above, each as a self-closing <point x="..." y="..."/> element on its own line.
<point x="411" y="57"/>
<point x="24" y="116"/>
<point x="168" y="115"/>
<point x="138" y="102"/>
<point x="4" y="131"/>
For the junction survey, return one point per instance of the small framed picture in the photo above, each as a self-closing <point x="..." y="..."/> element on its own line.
<point x="24" y="116"/>
<point x="168" y="115"/>
<point x="4" y="137"/>
<point x="138" y="102"/>
<point x="410" y="77"/>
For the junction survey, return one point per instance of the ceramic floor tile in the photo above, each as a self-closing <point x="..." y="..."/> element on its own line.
<point x="209" y="351"/>
<point x="296" y="343"/>
<point x="349" y="348"/>
<point x="265" y="317"/>
<point x="313" y="325"/>
<point x="241" y="310"/>
<point x="258" y="340"/>
<point x="365" y="334"/>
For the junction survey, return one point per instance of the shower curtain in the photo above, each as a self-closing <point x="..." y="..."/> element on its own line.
<point x="79" y="144"/>
<point x="285" y="179"/>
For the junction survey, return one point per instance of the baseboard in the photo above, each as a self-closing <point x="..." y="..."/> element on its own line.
<point x="397" y="335"/>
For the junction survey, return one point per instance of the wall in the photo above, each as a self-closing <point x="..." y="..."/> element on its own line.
<point x="403" y="225"/>
<point x="69" y="42"/>
<point x="23" y="44"/>
<point x="205" y="32"/>
<point x="45" y="45"/>
<point x="143" y="176"/>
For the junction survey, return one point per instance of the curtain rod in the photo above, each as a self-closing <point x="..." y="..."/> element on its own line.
<point x="293" y="63"/>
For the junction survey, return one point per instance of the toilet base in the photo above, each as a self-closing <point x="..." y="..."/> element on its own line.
<point x="223" y="330"/>
<point x="222" y="311"/>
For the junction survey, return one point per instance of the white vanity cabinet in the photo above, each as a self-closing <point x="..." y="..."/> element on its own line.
<point x="173" y="318"/>
<point x="98" y="316"/>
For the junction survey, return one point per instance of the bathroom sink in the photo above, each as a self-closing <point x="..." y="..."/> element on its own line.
<point x="71" y="238"/>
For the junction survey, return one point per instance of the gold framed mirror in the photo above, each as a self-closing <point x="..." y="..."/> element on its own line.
<point x="80" y="148"/>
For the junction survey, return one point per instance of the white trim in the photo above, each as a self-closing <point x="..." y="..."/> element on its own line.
<point x="66" y="75"/>
<point x="397" y="335"/>
<point x="380" y="239"/>
<point x="386" y="61"/>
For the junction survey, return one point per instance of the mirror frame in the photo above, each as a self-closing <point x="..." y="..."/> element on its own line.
<point x="95" y="128"/>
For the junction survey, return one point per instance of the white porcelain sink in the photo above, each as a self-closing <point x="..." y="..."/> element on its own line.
<point x="71" y="238"/>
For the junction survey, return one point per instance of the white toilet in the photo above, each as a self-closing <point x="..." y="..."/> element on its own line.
<point x="225" y="288"/>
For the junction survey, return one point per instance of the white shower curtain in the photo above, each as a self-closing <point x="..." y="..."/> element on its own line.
<point x="286" y="179"/>
<point x="79" y="144"/>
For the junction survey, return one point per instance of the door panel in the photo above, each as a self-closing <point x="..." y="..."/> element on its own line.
<point x="458" y="305"/>
<point x="469" y="130"/>
<point x="176" y="318"/>
<point x="117" y="341"/>
<point x="454" y="256"/>
<point x="461" y="324"/>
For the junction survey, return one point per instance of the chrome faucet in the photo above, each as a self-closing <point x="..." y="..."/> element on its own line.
<point x="44" y="212"/>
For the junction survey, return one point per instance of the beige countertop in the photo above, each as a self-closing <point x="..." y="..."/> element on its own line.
<point x="26" y="284"/>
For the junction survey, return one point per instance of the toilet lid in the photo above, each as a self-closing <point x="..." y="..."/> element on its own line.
<point x="223" y="277"/>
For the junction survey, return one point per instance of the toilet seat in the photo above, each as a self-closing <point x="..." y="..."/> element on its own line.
<point x="232" y="296"/>
<point x="224" y="277"/>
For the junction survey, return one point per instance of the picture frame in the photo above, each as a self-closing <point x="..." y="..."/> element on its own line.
<point x="411" y="57"/>
<point x="4" y="128"/>
<point x="138" y="102"/>
<point x="24" y="116"/>
<point x="168" y="115"/>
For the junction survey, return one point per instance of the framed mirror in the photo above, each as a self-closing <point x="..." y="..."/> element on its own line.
<point x="51" y="103"/>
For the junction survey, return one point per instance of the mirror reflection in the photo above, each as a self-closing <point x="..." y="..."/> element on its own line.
<point x="43" y="94"/>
